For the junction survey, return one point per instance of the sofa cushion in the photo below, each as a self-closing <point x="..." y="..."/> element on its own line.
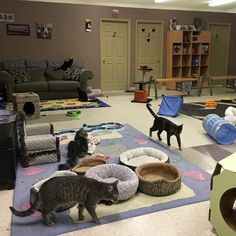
<point x="36" y="64"/>
<point x="62" y="85"/>
<point x="13" y="64"/>
<point x="20" y="75"/>
<point x="54" y="64"/>
<point x="37" y="74"/>
<point x="52" y="74"/>
<point x="34" y="86"/>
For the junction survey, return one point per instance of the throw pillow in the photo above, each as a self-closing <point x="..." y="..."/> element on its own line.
<point x="20" y="76"/>
<point x="72" y="73"/>
<point x="54" y="74"/>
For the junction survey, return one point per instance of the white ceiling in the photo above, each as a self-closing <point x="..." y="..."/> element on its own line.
<point x="196" y="5"/>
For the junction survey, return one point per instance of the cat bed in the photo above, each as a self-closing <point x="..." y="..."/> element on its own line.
<point x="36" y="187"/>
<point x="138" y="156"/>
<point x="108" y="173"/>
<point x="87" y="163"/>
<point x="230" y="115"/>
<point x="219" y="129"/>
<point x="170" y="105"/>
<point x="158" y="179"/>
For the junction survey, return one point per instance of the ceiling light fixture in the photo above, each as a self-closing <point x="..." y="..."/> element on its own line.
<point x="216" y="3"/>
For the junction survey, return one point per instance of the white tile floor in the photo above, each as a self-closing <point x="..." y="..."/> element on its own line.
<point x="183" y="221"/>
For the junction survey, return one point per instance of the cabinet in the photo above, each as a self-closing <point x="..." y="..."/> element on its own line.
<point x="187" y="54"/>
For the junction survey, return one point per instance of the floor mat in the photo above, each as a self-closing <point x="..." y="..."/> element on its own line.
<point x="194" y="187"/>
<point x="65" y="104"/>
<point x="198" y="110"/>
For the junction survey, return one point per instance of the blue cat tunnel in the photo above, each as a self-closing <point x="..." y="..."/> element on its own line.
<point x="219" y="129"/>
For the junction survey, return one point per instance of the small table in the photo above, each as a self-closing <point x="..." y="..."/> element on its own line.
<point x="145" y="69"/>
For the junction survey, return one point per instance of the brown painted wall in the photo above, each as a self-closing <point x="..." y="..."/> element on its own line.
<point x="70" y="39"/>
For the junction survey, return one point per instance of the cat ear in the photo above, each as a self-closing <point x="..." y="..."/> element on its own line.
<point x="180" y="127"/>
<point x="116" y="182"/>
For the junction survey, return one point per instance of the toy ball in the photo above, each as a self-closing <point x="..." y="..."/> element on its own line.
<point x="73" y="113"/>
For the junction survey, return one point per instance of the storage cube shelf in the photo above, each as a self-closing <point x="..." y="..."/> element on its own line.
<point x="187" y="55"/>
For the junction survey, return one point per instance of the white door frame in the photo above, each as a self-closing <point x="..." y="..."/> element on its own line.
<point x="128" y="46"/>
<point x="136" y="42"/>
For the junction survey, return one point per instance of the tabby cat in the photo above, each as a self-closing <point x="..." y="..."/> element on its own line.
<point x="61" y="190"/>
<point x="161" y="124"/>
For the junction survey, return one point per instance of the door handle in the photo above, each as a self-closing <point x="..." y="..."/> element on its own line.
<point x="103" y="61"/>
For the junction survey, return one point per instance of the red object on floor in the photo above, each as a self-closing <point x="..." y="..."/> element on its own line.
<point x="140" y="95"/>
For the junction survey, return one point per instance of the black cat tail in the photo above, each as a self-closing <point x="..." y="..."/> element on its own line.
<point x="148" y="105"/>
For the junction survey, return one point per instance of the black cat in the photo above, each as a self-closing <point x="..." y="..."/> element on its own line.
<point x="83" y="96"/>
<point x="162" y="124"/>
<point x="65" y="65"/>
<point x="77" y="148"/>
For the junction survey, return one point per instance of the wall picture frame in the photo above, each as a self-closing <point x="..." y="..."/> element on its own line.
<point x="18" y="29"/>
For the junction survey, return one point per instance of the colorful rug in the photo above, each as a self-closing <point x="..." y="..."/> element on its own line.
<point x="195" y="186"/>
<point x="65" y="104"/>
<point x="199" y="111"/>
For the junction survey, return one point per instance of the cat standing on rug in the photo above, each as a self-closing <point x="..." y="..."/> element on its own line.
<point x="77" y="148"/>
<point x="65" y="65"/>
<point x="58" y="191"/>
<point x="161" y="124"/>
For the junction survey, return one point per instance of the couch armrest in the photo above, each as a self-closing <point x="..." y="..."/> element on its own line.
<point x="9" y="84"/>
<point x="84" y="76"/>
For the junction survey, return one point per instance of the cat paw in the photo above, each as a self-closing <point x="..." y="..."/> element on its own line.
<point x="49" y="223"/>
<point x="81" y="217"/>
<point x="96" y="221"/>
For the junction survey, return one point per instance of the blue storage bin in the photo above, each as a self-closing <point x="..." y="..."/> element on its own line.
<point x="219" y="129"/>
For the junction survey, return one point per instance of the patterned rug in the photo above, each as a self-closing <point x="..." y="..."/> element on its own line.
<point x="199" y="111"/>
<point x="65" y="104"/>
<point x="194" y="187"/>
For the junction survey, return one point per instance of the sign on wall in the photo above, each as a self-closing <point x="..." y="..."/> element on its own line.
<point x="7" y="17"/>
<point x="44" y="30"/>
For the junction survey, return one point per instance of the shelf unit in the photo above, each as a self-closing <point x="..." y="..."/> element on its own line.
<point x="187" y="54"/>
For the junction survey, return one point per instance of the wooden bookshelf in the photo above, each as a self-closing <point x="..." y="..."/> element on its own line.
<point x="187" y="55"/>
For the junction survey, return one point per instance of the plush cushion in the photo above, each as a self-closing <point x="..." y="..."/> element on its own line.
<point x="138" y="156"/>
<point x="36" y="64"/>
<point x="20" y="75"/>
<point x="13" y="64"/>
<point x="128" y="180"/>
<point x="54" y="75"/>
<point x="60" y="85"/>
<point x="37" y="74"/>
<point x="72" y="73"/>
<point x="34" y="86"/>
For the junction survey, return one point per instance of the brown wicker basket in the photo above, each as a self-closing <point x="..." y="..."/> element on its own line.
<point x="158" y="179"/>
<point x="86" y="163"/>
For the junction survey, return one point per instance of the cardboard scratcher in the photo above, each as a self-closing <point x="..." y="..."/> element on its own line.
<point x="222" y="213"/>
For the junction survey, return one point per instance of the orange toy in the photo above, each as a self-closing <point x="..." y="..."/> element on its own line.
<point x="211" y="104"/>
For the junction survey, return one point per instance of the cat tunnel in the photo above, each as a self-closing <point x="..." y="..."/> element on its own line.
<point x="219" y="129"/>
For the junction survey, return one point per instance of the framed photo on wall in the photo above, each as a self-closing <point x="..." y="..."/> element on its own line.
<point x="18" y="29"/>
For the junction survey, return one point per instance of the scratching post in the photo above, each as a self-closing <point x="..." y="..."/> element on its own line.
<point x="28" y="103"/>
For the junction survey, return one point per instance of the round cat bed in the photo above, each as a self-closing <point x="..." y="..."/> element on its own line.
<point x="158" y="179"/>
<point x="108" y="173"/>
<point x="138" y="156"/>
<point x="36" y="187"/>
<point x="87" y="163"/>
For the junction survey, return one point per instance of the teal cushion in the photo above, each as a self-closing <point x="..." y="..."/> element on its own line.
<point x="54" y="74"/>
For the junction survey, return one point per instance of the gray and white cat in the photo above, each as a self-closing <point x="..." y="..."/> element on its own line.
<point x="58" y="191"/>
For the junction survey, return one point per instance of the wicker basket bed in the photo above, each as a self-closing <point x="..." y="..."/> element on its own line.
<point x="158" y="179"/>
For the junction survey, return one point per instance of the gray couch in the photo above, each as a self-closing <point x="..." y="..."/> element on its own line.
<point x="43" y="77"/>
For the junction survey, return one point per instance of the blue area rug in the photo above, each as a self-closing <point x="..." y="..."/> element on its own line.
<point x="128" y="138"/>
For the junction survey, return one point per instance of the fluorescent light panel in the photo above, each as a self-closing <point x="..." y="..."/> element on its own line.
<point x="219" y="2"/>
